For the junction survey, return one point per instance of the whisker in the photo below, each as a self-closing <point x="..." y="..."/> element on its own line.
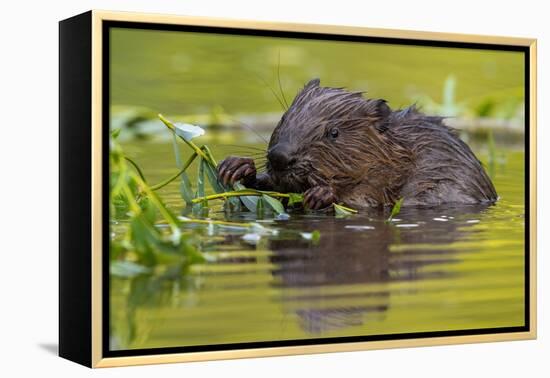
<point x="243" y="147"/>
<point x="279" y="79"/>
<point x="248" y="153"/>
<point x="250" y="128"/>
<point x="273" y="92"/>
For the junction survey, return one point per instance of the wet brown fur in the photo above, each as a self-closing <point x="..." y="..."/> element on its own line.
<point x="376" y="156"/>
<point x="379" y="155"/>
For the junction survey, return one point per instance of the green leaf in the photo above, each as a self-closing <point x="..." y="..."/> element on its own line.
<point x="260" y="208"/>
<point x="209" y="155"/>
<point x="342" y="210"/>
<point x="275" y="204"/>
<point x="176" y="150"/>
<point x="251" y="202"/>
<point x="115" y="133"/>
<point x="315" y="236"/>
<point x="395" y="209"/>
<point x="232" y="204"/>
<point x="185" y="189"/>
<point x="185" y="184"/>
<point x="201" y="208"/>
<point x="200" y="179"/>
<point x="212" y="176"/>
<point x="294" y="198"/>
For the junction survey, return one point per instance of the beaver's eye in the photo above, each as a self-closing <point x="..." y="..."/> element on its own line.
<point x="333" y="133"/>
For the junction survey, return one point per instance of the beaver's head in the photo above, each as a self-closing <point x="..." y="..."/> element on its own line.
<point x="326" y="135"/>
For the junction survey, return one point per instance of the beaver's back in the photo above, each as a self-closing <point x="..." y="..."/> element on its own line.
<point x="445" y="169"/>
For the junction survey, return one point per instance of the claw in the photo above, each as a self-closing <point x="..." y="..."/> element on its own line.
<point x="234" y="168"/>
<point x="319" y="197"/>
<point x="239" y="173"/>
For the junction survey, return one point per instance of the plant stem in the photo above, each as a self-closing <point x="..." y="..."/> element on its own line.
<point x="170" y="179"/>
<point x="239" y="193"/>
<point x="346" y="208"/>
<point x="211" y="160"/>
<point x="137" y="168"/>
<point x="132" y="203"/>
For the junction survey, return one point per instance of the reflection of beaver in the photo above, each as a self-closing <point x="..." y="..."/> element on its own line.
<point x="334" y="292"/>
<point x="337" y="146"/>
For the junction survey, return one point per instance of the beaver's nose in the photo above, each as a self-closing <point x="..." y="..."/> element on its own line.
<point x="280" y="156"/>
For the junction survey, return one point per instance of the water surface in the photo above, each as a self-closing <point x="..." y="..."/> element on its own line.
<point x="448" y="268"/>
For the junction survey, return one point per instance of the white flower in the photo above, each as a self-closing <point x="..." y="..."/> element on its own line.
<point x="188" y="131"/>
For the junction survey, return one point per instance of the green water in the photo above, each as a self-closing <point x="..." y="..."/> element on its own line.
<point x="192" y="73"/>
<point x="431" y="270"/>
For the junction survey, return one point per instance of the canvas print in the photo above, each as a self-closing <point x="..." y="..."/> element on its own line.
<point x="272" y="190"/>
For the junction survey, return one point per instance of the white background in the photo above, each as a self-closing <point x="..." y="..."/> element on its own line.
<point x="29" y="174"/>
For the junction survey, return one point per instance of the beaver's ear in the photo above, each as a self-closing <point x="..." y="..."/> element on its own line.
<point x="380" y="111"/>
<point x="312" y="84"/>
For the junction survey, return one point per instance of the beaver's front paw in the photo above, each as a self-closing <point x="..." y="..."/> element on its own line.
<point x="319" y="197"/>
<point x="233" y="169"/>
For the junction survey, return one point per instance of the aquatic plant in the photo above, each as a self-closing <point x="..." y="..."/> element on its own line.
<point x="133" y="202"/>
<point x="395" y="209"/>
<point x="341" y="210"/>
<point x="448" y="106"/>
<point x="146" y="233"/>
<point x="152" y="234"/>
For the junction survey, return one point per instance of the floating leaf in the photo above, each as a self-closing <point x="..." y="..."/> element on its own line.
<point x="188" y="131"/>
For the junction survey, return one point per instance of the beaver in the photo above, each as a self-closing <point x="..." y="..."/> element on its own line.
<point x="336" y="146"/>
